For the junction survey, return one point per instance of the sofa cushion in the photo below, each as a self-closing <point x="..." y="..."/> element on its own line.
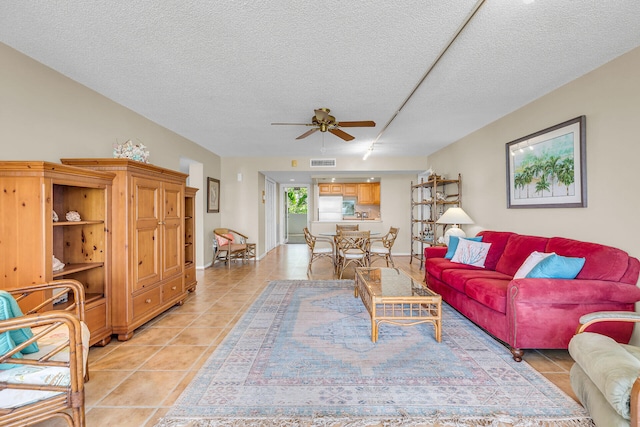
<point x="498" y="240"/>
<point x="489" y="292"/>
<point x="436" y="266"/>
<point x="557" y="267"/>
<point x="602" y="262"/>
<point x="528" y="264"/>
<point x="471" y="253"/>
<point x="42" y="375"/>
<point x="457" y="278"/>
<point x="517" y="250"/>
<point x="453" y="244"/>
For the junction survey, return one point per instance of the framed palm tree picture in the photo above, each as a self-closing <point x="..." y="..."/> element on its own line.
<point x="547" y="169"/>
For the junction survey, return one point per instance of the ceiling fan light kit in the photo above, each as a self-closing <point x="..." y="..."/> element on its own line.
<point x="324" y="122"/>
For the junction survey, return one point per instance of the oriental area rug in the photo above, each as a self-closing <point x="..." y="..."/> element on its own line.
<point x="302" y="356"/>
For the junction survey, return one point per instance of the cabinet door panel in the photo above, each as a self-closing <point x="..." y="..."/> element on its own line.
<point x="146" y="240"/>
<point x="172" y="250"/>
<point x="172" y="231"/>
<point x="146" y="268"/>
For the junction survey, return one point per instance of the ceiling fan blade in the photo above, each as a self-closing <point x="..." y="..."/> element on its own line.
<point x="361" y="124"/>
<point x="291" y="124"/>
<point x="307" y="133"/>
<point x="342" y="134"/>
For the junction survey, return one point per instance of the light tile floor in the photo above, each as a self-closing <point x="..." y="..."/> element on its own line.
<point x="134" y="383"/>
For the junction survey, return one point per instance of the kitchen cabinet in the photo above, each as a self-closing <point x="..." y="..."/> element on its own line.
<point x="330" y="189"/>
<point x="369" y="193"/>
<point x="148" y="240"/>
<point x="34" y="227"/>
<point x="350" y="190"/>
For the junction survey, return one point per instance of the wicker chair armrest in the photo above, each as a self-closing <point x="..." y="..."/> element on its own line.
<point x="607" y="316"/>
<point x="78" y="306"/>
<point x="239" y="234"/>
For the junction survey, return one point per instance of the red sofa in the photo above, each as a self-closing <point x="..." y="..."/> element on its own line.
<point x="535" y="313"/>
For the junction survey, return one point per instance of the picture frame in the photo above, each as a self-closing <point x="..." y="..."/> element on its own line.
<point x="547" y="169"/>
<point x="213" y="195"/>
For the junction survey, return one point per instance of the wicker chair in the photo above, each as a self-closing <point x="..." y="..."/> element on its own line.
<point x="381" y="247"/>
<point x="352" y="247"/>
<point x="27" y="393"/>
<point x="230" y="245"/>
<point x="319" y="247"/>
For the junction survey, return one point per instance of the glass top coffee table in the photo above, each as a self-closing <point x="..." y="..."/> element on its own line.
<point x="391" y="296"/>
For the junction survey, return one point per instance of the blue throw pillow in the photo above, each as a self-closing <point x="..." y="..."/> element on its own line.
<point x="453" y="244"/>
<point x="9" y="309"/>
<point x="557" y="267"/>
<point x="7" y="344"/>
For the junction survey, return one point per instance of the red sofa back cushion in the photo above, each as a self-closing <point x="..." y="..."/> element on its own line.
<point x="498" y="240"/>
<point x="602" y="262"/>
<point x="518" y="248"/>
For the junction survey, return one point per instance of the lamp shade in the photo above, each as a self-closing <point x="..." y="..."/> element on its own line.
<point x="454" y="216"/>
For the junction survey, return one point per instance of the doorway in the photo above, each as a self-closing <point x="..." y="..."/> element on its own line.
<point x="296" y="209"/>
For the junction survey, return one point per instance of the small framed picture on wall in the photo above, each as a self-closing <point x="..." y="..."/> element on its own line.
<point x="213" y="195"/>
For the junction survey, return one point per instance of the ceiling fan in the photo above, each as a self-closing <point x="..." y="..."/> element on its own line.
<point x="322" y="121"/>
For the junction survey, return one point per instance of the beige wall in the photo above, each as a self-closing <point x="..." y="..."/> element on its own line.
<point x="608" y="97"/>
<point x="242" y="207"/>
<point x="47" y="116"/>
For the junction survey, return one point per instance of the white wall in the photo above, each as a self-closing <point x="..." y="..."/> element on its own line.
<point x="609" y="98"/>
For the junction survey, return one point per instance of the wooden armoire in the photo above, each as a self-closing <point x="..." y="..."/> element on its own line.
<point x="148" y="240"/>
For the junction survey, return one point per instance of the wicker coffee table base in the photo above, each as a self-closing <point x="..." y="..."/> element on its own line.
<point x="401" y="301"/>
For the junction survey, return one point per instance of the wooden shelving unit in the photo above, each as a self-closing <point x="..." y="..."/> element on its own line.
<point x="190" y="281"/>
<point x="429" y="200"/>
<point x="31" y="238"/>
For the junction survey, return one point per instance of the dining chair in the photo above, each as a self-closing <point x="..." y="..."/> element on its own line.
<point x="352" y="247"/>
<point x="319" y="247"/>
<point x="347" y="227"/>
<point x="380" y="247"/>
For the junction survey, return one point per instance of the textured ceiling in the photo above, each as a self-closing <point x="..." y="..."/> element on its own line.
<point x="220" y="72"/>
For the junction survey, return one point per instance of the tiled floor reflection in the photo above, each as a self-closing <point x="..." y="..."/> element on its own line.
<point x="134" y="383"/>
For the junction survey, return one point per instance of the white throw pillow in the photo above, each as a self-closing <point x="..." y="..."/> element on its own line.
<point x="471" y="253"/>
<point x="532" y="260"/>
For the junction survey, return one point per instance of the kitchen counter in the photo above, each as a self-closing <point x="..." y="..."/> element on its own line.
<point x="373" y="225"/>
<point x="355" y="218"/>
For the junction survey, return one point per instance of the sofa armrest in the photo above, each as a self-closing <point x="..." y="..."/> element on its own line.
<point x="566" y="291"/>
<point x="609" y="366"/>
<point x="435" y="252"/>
<point x="607" y="316"/>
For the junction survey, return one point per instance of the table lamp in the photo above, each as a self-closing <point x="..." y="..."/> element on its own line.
<point x="454" y="217"/>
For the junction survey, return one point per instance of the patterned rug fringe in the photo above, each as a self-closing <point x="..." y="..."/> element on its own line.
<point x="499" y="420"/>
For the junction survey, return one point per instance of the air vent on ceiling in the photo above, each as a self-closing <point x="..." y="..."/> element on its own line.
<point x="323" y="163"/>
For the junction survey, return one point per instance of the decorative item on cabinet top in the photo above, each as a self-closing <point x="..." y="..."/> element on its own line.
<point x="129" y="150"/>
